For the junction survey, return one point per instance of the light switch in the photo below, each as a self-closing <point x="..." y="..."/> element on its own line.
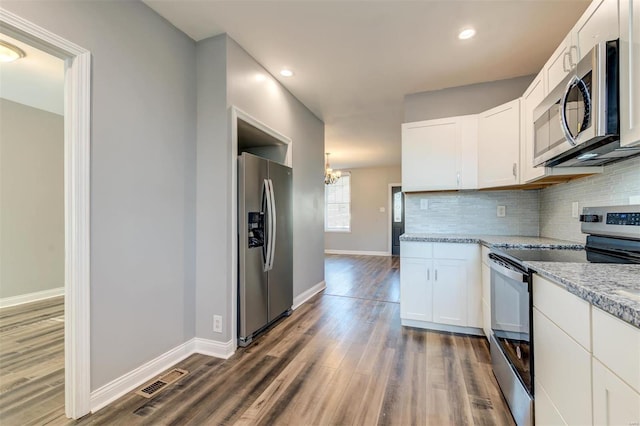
<point x="424" y="204"/>
<point x="502" y="211"/>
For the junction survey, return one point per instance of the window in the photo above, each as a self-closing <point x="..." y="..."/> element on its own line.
<point x="337" y="205"/>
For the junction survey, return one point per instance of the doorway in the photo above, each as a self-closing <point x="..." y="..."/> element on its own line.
<point x="397" y="218"/>
<point x="77" y="172"/>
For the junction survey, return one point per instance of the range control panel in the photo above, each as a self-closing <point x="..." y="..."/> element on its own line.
<point x="614" y="221"/>
<point x="632" y="219"/>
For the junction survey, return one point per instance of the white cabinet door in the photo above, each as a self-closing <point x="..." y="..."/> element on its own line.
<point x="599" y="23"/>
<point x="450" y="292"/>
<point x="563" y="369"/>
<point x="559" y="65"/>
<point x="614" y="402"/>
<point x="530" y="100"/>
<point x="468" y="152"/>
<point x="629" y="72"/>
<point x="416" y="293"/>
<point x="430" y="155"/>
<point x="499" y="145"/>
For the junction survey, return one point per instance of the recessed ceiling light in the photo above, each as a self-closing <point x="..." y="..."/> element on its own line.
<point x="286" y="72"/>
<point x="466" y="33"/>
<point x="9" y="52"/>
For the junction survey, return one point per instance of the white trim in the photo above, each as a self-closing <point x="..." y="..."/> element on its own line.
<point x="303" y="297"/>
<point x="31" y="297"/>
<point x="358" y="252"/>
<point x="390" y="216"/>
<point x="124" y="384"/>
<point x="77" y="144"/>
<point x="427" y="325"/>
<point x="235" y="114"/>
<point x="216" y="349"/>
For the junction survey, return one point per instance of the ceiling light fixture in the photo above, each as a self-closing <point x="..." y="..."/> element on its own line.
<point x="286" y="72"/>
<point x="9" y="52"/>
<point x="467" y="33"/>
<point x="330" y="177"/>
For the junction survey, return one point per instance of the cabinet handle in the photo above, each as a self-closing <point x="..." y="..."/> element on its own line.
<point x="436" y="271"/>
<point x="515" y="170"/>
<point x="428" y="274"/>
<point x="564" y="61"/>
<point x="458" y="179"/>
<point x="573" y="63"/>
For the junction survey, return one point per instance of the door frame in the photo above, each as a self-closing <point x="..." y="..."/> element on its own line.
<point x="77" y="156"/>
<point x="389" y="217"/>
<point x="235" y="114"/>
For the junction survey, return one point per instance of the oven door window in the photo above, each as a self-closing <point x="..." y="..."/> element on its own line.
<point x="510" y="310"/>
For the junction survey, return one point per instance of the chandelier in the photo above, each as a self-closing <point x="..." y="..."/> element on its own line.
<point x="330" y="177"/>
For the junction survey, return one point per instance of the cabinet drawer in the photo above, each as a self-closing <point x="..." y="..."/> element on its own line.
<point x="416" y="249"/>
<point x="617" y="345"/>
<point x="567" y="311"/>
<point x="456" y="251"/>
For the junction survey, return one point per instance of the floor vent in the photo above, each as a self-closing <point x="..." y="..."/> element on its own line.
<point x="152" y="388"/>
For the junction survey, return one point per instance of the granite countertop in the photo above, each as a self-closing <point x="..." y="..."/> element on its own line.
<point x="502" y="241"/>
<point x="614" y="288"/>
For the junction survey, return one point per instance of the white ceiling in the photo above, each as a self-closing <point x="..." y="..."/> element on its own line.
<point x="355" y="60"/>
<point x="37" y="80"/>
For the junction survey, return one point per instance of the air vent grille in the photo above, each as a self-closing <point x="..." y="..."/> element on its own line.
<point x="152" y="388"/>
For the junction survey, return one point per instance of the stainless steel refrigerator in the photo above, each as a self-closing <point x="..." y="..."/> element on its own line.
<point x="265" y="239"/>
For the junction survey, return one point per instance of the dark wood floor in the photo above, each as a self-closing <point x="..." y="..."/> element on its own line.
<point x="340" y="359"/>
<point x="32" y="362"/>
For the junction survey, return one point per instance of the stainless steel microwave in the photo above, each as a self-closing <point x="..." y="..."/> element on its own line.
<point x="577" y="124"/>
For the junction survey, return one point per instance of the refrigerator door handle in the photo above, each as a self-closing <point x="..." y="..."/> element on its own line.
<point x="272" y="237"/>
<point x="266" y="191"/>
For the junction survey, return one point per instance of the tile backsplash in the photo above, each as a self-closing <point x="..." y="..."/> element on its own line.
<point x="473" y="213"/>
<point x="614" y="186"/>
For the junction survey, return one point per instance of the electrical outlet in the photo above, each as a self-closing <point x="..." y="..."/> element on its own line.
<point x="382" y="209"/>
<point x="634" y="199"/>
<point x="502" y="211"/>
<point x="424" y="204"/>
<point x="575" y="210"/>
<point x="217" y="323"/>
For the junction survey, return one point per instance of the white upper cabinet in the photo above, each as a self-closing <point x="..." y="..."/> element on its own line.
<point x="598" y="23"/>
<point x="629" y="72"/>
<point x="530" y="100"/>
<point x="499" y="145"/>
<point x="439" y="154"/>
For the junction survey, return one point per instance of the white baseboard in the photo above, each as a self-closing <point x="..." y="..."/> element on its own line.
<point x="358" y="252"/>
<point x="308" y="294"/>
<point x="128" y="382"/>
<point x="31" y="297"/>
<point x="474" y="331"/>
<point x="124" y="384"/>
<point x="213" y="348"/>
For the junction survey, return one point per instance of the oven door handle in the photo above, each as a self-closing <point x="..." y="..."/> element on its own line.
<point x="509" y="273"/>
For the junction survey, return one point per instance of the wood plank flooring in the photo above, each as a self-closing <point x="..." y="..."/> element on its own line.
<point x="32" y="362"/>
<point x="341" y="359"/>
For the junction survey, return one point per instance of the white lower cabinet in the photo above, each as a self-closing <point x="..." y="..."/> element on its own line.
<point x="614" y="401"/>
<point x="440" y="286"/>
<point x="416" y="292"/>
<point x="563" y="369"/>
<point x="587" y="362"/>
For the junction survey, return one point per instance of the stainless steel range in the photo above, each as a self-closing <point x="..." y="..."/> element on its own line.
<point x="614" y="237"/>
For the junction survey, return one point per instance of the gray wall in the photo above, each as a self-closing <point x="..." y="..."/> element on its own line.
<point x="614" y="186"/>
<point x="473" y="213"/>
<point x="463" y="100"/>
<point x="369" y="227"/>
<point x="142" y="177"/>
<point x="31" y="200"/>
<point x="269" y="102"/>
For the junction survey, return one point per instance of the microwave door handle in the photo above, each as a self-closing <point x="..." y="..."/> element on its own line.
<point x="563" y="111"/>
